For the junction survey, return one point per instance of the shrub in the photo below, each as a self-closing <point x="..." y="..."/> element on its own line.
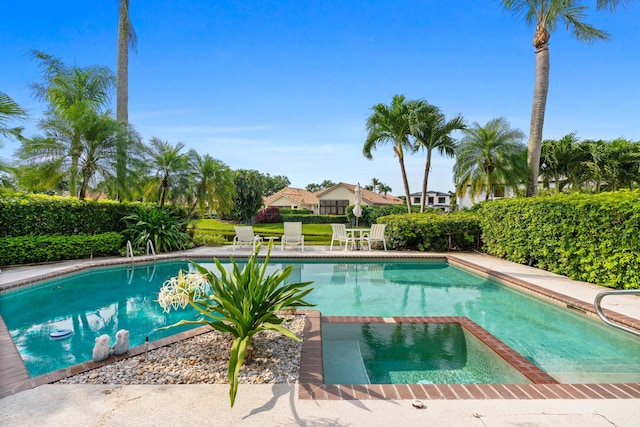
<point x="165" y="229"/>
<point x="270" y="215"/>
<point x="32" y="249"/>
<point x="431" y="231"/>
<point x="287" y="211"/>
<point x="208" y="239"/>
<point x="593" y="238"/>
<point x="315" y="219"/>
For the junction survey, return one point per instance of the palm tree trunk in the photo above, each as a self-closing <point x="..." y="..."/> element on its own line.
<point x="541" y="87"/>
<point x="405" y="182"/>
<point x="122" y="90"/>
<point x="425" y="181"/>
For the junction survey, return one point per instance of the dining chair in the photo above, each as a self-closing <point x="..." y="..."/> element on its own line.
<point x="340" y="235"/>
<point x="376" y="235"/>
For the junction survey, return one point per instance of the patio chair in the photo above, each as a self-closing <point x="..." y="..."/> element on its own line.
<point x="340" y="235"/>
<point x="245" y="237"/>
<point x="376" y="235"/>
<point x="292" y="235"/>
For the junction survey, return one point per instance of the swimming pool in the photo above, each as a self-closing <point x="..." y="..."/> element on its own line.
<point x="567" y="345"/>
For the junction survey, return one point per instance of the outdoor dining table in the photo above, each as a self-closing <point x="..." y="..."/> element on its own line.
<point x="361" y="232"/>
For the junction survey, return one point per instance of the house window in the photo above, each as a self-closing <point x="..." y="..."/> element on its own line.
<point x="333" y="207"/>
<point x="430" y="200"/>
<point x="442" y="200"/>
<point x="416" y="200"/>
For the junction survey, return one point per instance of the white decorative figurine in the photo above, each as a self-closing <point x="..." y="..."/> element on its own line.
<point x="101" y="349"/>
<point x="122" y="343"/>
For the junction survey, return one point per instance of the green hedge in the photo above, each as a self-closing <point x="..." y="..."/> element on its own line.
<point x="32" y="249"/>
<point x="431" y="231"/>
<point x="592" y="238"/>
<point x="24" y="215"/>
<point x="314" y="219"/>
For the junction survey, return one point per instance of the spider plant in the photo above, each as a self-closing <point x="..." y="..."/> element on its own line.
<point x="241" y="302"/>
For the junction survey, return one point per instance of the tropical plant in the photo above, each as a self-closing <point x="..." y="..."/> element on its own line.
<point x="127" y="39"/>
<point x="323" y="185"/>
<point x="214" y="186"/>
<point x="489" y="157"/>
<point x="556" y="160"/>
<point x="248" y="199"/>
<point x="241" y="302"/>
<point x="432" y="131"/>
<point x="391" y="123"/>
<point x="545" y="15"/>
<point x="167" y="162"/>
<point x="165" y="229"/>
<point x="9" y="111"/>
<point x="72" y="94"/>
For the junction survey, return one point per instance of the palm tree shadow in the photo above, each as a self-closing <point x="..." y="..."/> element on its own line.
<point x="269" y="405"/>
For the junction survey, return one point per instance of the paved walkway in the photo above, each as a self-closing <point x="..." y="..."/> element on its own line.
<point x="87" y="405"/>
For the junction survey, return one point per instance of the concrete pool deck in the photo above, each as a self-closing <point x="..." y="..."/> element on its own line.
<point x="55" y="404"/>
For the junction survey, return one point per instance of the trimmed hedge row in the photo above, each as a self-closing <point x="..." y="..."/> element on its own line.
<point x="35" y="214"/>
<point x="30" y="249"/>
<point x="314" y="219"/>
<point x="432" y="232"/>
<point x="592" y="238"/>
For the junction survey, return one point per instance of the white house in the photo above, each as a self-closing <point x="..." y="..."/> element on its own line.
<point x="435" y="199"/>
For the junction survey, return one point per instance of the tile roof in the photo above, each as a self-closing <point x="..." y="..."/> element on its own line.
<point x="298" y="195"/>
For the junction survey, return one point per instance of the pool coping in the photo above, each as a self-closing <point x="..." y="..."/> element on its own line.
<point x="14" y="377"/>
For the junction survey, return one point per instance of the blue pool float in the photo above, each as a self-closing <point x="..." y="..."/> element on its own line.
<point x="59" y="334"/>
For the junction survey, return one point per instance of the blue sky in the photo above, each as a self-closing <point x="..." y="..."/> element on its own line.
<point x="285" y="87"/>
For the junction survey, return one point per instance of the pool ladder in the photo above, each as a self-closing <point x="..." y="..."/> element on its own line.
<point x="604" y="318"/>
<point x="150" y="250"/>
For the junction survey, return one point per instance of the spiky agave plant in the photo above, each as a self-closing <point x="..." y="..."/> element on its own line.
<point x="241" y="302"/>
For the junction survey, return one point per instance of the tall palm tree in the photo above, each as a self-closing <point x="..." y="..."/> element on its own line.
<point x="72" y="94"/>
<point x="545" y="15"/>
<point x="126" y="39"/>
<point x="214" y="184"/>
<point x="488" y="158"/>
<point x="391" y="123"/>
<point x="432" y="131"/>
<point x="167" y="162"/>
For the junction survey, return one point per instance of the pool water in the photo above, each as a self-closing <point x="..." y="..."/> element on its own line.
<point x="567" y="345"/>
<point x="425" y="353"/>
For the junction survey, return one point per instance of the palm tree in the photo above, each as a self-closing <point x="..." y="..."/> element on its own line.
<point x="72" y="94"/>
<point x="9" y="110"/>
<point x="214" y="183"/>
<point x="391" y="123"/>
<point x="166" y="161"/>
<point x="47" y="159"/>
<point x="544" y="15"/>
<point x="431" y="130"/>
<point x="489" y="158"/>
<point x="556" y="158"/>
<point x="126" y="39"/>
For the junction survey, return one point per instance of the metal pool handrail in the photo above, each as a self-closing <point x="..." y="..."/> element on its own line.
<point x="604" y="318"/>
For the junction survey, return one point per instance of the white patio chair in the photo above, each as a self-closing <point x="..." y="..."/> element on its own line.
<point x="292" y="235"/>
<point x="376" y="235"/>
<point x="245" y="237"/>
<point x="340" y="235"/>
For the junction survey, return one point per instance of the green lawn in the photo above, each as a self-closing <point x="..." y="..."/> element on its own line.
<point x="314" y="234"/>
